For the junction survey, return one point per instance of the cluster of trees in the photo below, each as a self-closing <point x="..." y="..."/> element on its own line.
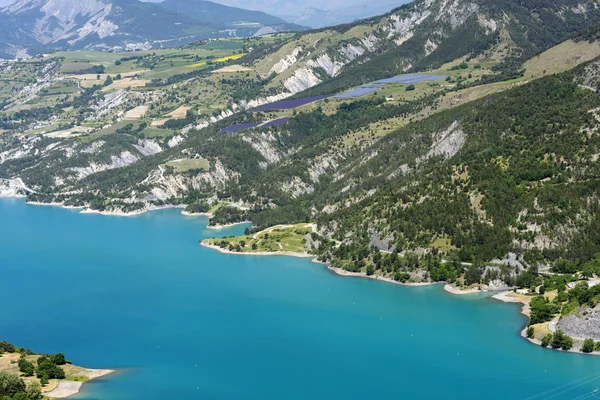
<point x="543" y="310"/>
<point x="48" y="367"/>
<point x="198" y="208"/>
<point x="13" y="388"/>
<point x="558" y="340"/>
<point x="228" y="215"/>
<point x="589" y="346"/>
<point x="95" y="69"/>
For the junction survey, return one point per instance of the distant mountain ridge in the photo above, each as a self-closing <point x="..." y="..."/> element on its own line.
<point x="31" y="26"/>
<point x="214" y="13"/>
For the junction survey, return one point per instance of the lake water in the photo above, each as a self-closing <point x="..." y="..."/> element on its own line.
<point x="183" y="322"/>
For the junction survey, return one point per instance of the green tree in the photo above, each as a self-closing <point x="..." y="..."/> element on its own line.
<point x="561" y="341"/>
<point x="10" y="384"/>
<point x="588" y="346"/>
<point x="48" y="368"/>
<point x="26" y="367"/>
<point x="58" y="359"/>
<point x="34" y="391"/>
<point x="21" y="396"/>
<point x="530" y="332"/>
<point x="546" y="340"/>
<point x="473" y="275"/>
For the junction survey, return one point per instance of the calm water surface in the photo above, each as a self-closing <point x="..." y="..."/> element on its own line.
<point x="181" y="321"/>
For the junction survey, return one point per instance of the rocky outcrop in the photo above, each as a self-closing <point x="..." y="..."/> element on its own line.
<point x="447" y="143"/>
<point x="117" y="161"/>
<point x="12" y="188"/>
<point x="583" y="324"/>
<point x="286" y="62"/>
<point x="148" y="147"/>
<point x="165" y="185"/>
<point x="303" y="78"/>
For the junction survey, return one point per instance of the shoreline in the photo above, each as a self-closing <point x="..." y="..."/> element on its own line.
<point x="258" y="253"/>
<point x="343" y="272"/>
<point x="464" y="292"/>
<point x="550" y="325"/>
<point x="219" y="226"/>
<point x="85" y="210"/>
<point x="67" y="388"/>
<point x="338" y="271"/>
<point x="502" y="295"/>
<point x="190" y="214"/>
<point x="129" y="214"/>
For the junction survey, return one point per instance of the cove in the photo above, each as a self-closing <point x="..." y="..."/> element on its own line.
<point x="181" y="321"/>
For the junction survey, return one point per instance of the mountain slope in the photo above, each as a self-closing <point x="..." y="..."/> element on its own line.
<point x="481" y="163"/>
<point x="422" y="35"/>
<point x="217" y="14"/>
<point x="31" y="26"/>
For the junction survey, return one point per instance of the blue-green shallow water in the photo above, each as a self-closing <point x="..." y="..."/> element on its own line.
<point x="184" y="322"/>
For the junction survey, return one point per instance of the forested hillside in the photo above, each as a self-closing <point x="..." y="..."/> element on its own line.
<point x="486" y="156"/>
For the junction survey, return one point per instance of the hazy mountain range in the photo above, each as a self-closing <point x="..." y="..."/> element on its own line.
<point x="315" y="14"/>
<point x="33" y="26"/>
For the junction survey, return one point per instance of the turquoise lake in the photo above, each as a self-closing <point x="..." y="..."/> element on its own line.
<point x="183" y="322"/>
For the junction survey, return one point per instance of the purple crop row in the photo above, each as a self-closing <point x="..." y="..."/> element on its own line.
<point x="290" y="103"/>
<point x="239" y="127"/>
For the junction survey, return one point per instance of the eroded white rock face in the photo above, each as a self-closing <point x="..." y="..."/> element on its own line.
<point x="148" y="147"/>
<point x="262" y="142"/>
<point x="287" y="62"/>
<point x="331" y="67"/>
<point x="296" y="187"/>
<point x="117" y="161"/>
<point x="246" y="105"/>
<point x="165" y="186"/>
<point x="175" y="140"/>
<point x="107" y="103"/>
<point x="94" y="147"/>
<point x="12" y="188"/>
<point x="303" y="78"/>
<point x="61" y="19"/>
<point x="447" y="143"/>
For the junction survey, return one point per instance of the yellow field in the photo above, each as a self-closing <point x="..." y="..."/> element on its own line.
<point x="218" y="60"/>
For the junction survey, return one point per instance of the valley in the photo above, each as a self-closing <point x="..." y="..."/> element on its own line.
<point x="446" y="141"/>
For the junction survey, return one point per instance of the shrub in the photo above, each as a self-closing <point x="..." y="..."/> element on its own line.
<point x="546" y="340"/>
<point x="49" y="369"/>
<point x="10" y="385"/>
<point x="530" y="332"/>
<point x="588" y="346"/>
<point x="26" y="367"/>
<point x="561" y="341"/>
<point x="542" y="310"/>
<point x="58" y="359"/>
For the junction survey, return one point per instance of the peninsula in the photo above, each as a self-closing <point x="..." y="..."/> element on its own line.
<point x="27" y="375"/>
